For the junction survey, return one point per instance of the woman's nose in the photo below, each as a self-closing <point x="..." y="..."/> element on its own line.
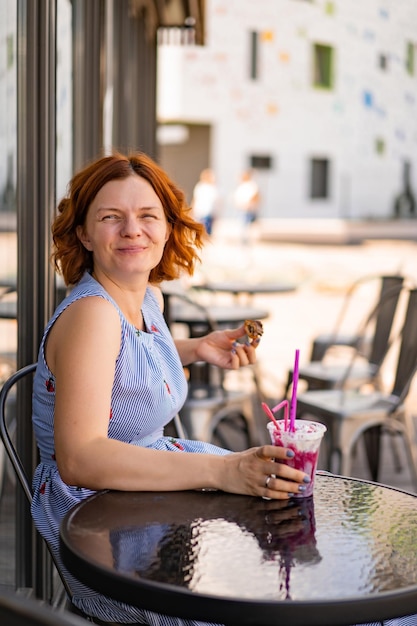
<point x="131" y="226"/>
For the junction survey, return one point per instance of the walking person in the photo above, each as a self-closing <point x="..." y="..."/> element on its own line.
<point x="247" y="199"/>
<point x="205" y="201"/>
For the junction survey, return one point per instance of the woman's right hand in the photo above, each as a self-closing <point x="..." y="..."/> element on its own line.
<point x="261" y="472"/>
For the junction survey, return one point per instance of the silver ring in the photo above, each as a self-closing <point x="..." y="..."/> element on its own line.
<point x="267" y="479"/>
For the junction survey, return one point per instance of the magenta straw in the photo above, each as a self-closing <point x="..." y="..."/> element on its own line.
<point x="293" y="406"/>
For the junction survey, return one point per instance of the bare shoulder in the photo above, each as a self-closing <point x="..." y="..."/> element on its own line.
<point x="83" y="325"/>
<point x="93" y="309"/>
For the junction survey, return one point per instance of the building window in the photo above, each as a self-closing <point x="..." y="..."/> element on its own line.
<point x="323" y="66"/>
<point x="379" y="146"/>
<point x="409" y="58"/>
<point x="10" y="47"/>
<point x="383" y="61"/>
<point x="319" y="187"/>
<point x="253" y="54"/>
<point x="260" y="161"/>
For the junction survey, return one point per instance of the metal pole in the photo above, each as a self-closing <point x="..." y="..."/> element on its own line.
<point x="35" y="206"/>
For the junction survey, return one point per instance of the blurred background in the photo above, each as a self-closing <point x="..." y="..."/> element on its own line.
<point x="317" y="98"/>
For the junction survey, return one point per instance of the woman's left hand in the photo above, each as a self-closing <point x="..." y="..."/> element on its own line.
<point x="223" y="349"/>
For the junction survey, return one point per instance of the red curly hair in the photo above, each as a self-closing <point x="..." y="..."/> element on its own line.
<point x="70" y="257"/>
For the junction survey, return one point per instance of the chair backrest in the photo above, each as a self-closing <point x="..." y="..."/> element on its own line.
<point x="374" y="330"/>
<point x="12" y="451"/>
<point x="354" y="290"/>
<point x="407" y="357"/>
<point x="9" y="445"/>
<point x="391" y="287"/>
<point x="201" y="375"/>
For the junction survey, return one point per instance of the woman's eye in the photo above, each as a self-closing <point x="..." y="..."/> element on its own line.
<point x="109" y="217"/>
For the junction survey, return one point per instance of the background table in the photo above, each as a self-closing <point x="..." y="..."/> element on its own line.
<point x="345" y="556"/>
<point x="241" y="287"/>
<point x="200" y="319"/>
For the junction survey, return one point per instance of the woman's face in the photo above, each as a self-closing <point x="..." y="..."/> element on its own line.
<point x="126" y="229"/>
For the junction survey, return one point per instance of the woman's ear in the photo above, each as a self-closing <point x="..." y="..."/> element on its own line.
<point x="82" y="236"/>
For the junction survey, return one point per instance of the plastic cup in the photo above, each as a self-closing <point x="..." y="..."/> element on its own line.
<point x="305" y="443"/>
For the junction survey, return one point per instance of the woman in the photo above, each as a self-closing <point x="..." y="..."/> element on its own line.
<point x="109" y="375"/>
<point x="205" y="200"/>
<point x="247" y="199"/>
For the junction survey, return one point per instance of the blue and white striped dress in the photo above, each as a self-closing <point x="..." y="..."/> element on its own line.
<point x="149" y="389"/>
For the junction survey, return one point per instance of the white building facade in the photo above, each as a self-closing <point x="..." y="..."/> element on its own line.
<point x="318" y="97"/>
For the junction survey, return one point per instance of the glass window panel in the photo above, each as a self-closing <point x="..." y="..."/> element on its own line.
<point x="8" y="157"/>
<point x="63" y="97"/>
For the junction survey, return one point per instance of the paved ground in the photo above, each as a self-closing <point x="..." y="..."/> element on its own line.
<point x="322" y="274"/>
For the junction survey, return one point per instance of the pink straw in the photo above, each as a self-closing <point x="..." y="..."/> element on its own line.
<point x="293" y="406"/>
<point x="270" y="414"/>
<point x="279" y="406"/>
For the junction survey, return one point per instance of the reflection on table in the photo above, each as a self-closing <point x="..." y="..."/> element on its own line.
<point x="347" y="555"/>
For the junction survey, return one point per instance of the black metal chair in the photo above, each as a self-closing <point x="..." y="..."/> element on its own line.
<point x="18" y="610"/>
<point x="212" y="412"/>
<point x="6" y="425"/>
<point x="337" y="337"/>
<point x="352" y="413"/>
<point x="367" y="348"/>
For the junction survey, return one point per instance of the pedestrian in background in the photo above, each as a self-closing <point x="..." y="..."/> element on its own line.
<point x="247" y="200"/>
<point x="205" y="201"/>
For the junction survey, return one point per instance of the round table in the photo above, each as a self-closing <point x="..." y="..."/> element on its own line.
<point x="237" y="287"/>
<point x="346" y="555"/>
<point x="200" y="319"/>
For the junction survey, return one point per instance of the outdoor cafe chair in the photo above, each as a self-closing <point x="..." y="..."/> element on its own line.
<point x="212" y="411"/>
<point x="367" y="348"/>
<point x="352" y="413"/>
<point x="338" y="337"/>
<point x="7" y="425"/>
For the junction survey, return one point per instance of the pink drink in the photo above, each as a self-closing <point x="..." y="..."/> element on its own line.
<point x="305" y="443"/>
